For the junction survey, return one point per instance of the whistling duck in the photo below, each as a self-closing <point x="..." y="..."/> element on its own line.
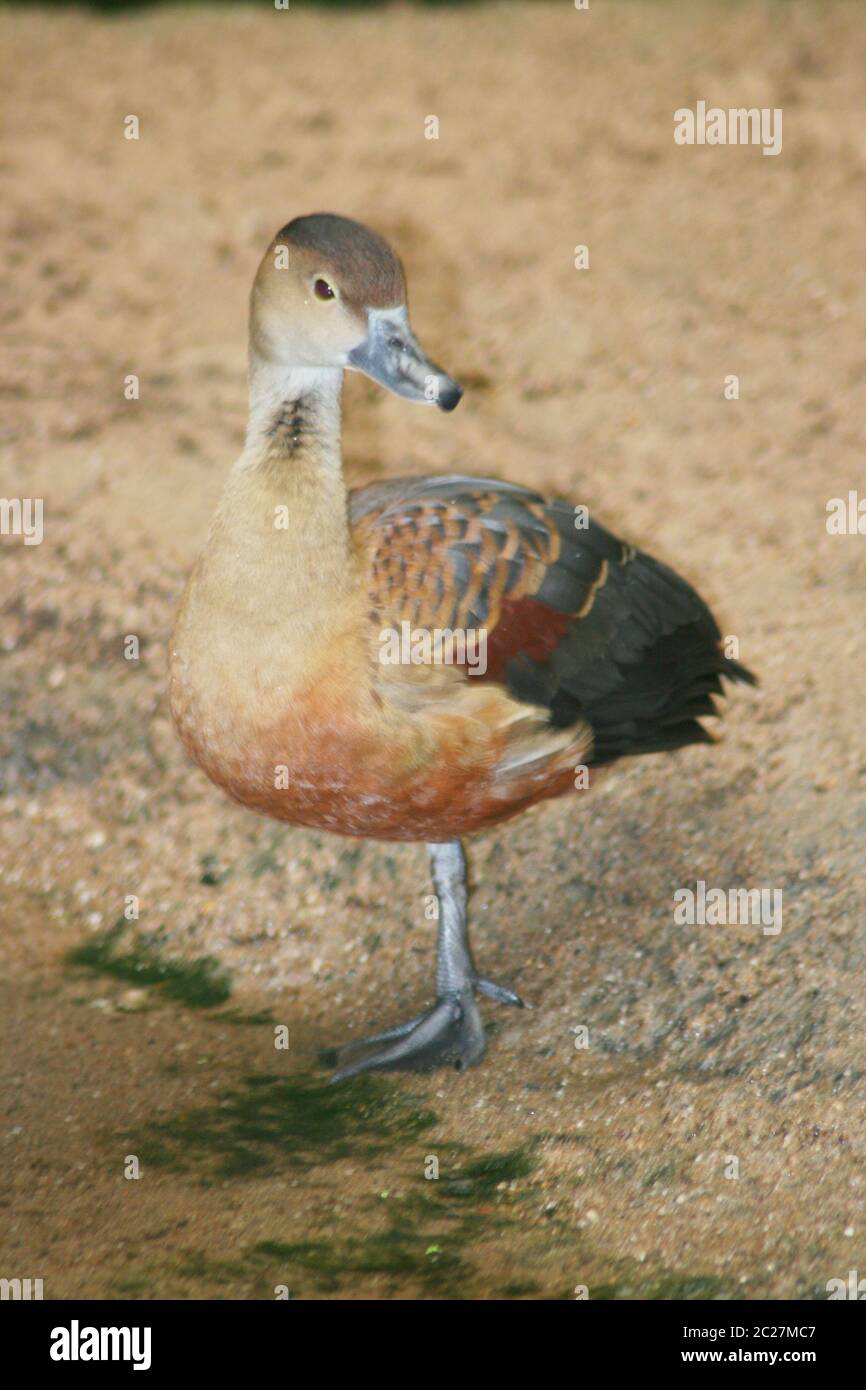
<point x="280" y="688"/>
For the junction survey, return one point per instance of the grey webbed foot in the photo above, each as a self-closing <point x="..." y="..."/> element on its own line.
<point x="449" y="1034"/>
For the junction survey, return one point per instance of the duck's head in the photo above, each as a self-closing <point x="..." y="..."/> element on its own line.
<point x="330" y="293"/>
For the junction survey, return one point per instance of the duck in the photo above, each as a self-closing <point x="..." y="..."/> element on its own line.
<point x="286" y="686"/>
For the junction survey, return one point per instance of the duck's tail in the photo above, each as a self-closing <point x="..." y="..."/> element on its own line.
<point x="668" y="684"/>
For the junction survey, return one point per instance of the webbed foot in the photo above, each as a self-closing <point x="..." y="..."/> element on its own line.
<point x="449" y="1034"/>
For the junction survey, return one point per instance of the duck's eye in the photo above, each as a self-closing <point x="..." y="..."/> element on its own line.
<point x="323" y="290"/>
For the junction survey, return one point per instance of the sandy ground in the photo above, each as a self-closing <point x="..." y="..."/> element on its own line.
<point x="612" y="1166"/>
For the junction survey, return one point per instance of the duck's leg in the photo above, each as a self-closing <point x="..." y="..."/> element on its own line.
<point x="451" y="1033"/>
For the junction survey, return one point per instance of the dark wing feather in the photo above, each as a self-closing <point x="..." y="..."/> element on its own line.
<point x="577" y="622"/>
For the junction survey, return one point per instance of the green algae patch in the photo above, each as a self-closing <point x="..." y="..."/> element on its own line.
<point x="482" y="1178"/>
<point x="268" y="1123"/>
<point x="432" y="1232"/>
<point x="212" y="874"/>
<point x="419" y="1237"/>
<point x="200" y="983"/>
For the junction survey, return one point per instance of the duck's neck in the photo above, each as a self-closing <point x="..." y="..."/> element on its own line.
<point x="294" y="412"/>
<point x="281" y="533"/>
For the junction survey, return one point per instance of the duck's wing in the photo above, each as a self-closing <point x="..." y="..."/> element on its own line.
<point x="577" y="623"/>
